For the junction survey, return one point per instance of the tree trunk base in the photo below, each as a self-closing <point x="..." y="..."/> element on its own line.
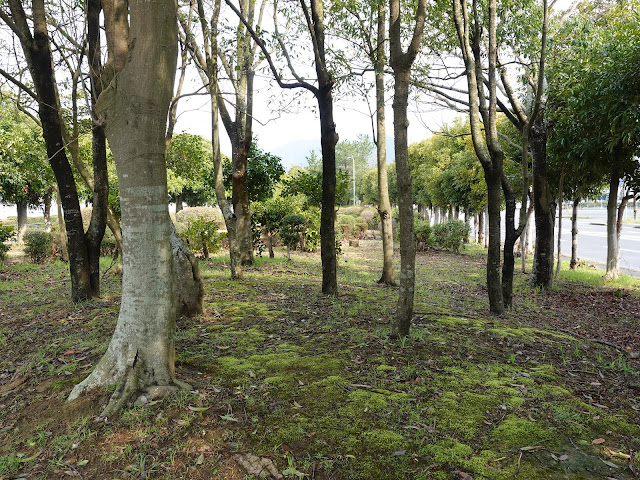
<point x="134" y="384"/>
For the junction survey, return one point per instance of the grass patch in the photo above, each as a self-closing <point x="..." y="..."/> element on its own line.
<point x="315" y="384"/>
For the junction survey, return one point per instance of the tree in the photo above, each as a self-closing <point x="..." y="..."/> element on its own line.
<point x="140" y="355"/>
<point x="595" y="103"/>
<point x="189" y="165"/>
<point x="263" y="173"/>
<point x="401" y="62"/>
<point x="365" y="24"/>
<point x="37" y="50"/>
<point x="314" y="25"/>
<point x="25" y="175"/>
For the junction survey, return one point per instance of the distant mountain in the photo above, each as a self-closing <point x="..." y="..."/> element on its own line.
<point x="295" y="153"/>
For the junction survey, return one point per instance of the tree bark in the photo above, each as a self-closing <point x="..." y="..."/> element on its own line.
<point x="401" y="63"/>
<point x="384" y="205"/>
<point x="480" y="217"/>
<point x="22" y="212"/>
<point x="511" y="236"/>
<point x="37" y="51"/>
<point x="63" y="232"/>
<point x="328" y="140"/>
<point x="574" y="234"/>
<point x="544" y="207"/>
<point x="179" y="205"/>
<point x="525" y="238"/>
<point x="560" y="200"/>
<point x="47" y="210"/>
<point x="135" y="105"/>
<point x="494" y="283"/>
<point x="613" y="259"/>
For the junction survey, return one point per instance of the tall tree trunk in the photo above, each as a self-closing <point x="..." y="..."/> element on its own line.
<point x="613" y="259"/>
<point x="494" y="283"/>
<point x="328" y="140"/>
<point x="401" y="63"/>
<point x="140" y="356"/>
<point x="525" y="239"/>
<point x="179" y="205"/>
<point x="574" y="234"/>
<point x="22" y="211"/>
<point x="384" y="205"/>
<point x="63" y="232"/>
<point x="560" y="200"/>
<point x="47" y="210"/>
<point x="240" y="200"/>
<point x="511" y="236"/>
<point x="544" y="207"/>
<point x="37" y="51"/>
<point x="405" y="205"/>
<point x="481" y="228"/>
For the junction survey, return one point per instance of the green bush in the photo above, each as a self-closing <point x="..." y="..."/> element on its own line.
<point x="359" y="228"/>
<point x="191" y="214"/>
<point x="6" y="233"/>
<point x="346" y="219"/>
<point x="372" y="217"/>
<point x="38" y="245"/>
<point x="203" y="237"/>
<point x="292" y="230"/>
<point x="354" y="211"/>
<point x="423" y="232"/>
<point x="450" y="235"/>
<point x="312" y="234"/>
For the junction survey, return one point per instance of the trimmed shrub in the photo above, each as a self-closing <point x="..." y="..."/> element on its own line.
<point x="450" y="235"/>
<point x="203" y="237"/>
<point x="423" y="231"/>
<point x="292" y="230"/>
<point x="6" y="234"/>
<point x="210" y="214"/>
<point x="38" y="245"/>
<point x="372" y="217"/>
<point x="354" y="211"/>
<point x="346" y="219"/>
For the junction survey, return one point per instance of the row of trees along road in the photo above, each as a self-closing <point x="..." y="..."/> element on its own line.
<point x="500" y="50"/>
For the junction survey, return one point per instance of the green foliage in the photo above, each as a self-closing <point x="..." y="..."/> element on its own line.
<point x="447" y="236"/>
<point x="372" y="217"/>
<point x="369" y="188"/>
<point x="423" y="231"/>
<point x="6" y="234"/>
<point x="451" y="235"/>
<point x="263" y="173"/>
<point x="190" y="169"/>
<point x="309" y="185"/>
<point x="38" y="245"/>
<point x="446" y="170"/>
<point x="593" y="99"/>
<point x="25" y="174"/>
<point x="292" y="230"/>
<point x="203" y="236"/>
<point x="350" y="153"/>
<point x="183" y="217"/>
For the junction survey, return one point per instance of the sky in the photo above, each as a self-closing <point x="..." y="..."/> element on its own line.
<point x="286" y="133"/>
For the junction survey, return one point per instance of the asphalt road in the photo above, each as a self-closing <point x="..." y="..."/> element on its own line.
<point x="592" y="238"/>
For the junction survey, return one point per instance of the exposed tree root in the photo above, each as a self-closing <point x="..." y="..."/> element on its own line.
<point x="133" y="386"/>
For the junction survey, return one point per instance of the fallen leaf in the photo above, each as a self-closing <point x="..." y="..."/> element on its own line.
<point x="197" y="409"/>
<point x="228" y="417"/>
<point x="82" y="463"/>
<point x="598" y="441"/>
<point x="398" y="453"/>
<point x="562" y="458"/>
<point x="200" y="459"/>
